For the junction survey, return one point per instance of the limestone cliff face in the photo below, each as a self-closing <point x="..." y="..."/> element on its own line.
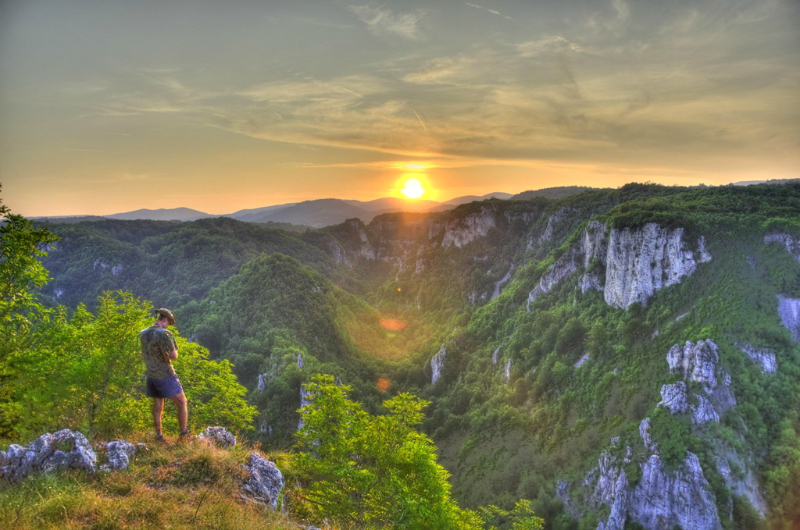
<point x="462" y="231"/>
<point x="790" y="243"/>
<point x="437" y="364"/>
<point x="661" y="499"/>
<point x="637" y="263"/>
<point x="763" y="357"/>
<point x="640" y="262"/>
<point x="789" y="313"/>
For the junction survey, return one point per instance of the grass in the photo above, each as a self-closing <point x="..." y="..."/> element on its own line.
<point x="172" y="485"/>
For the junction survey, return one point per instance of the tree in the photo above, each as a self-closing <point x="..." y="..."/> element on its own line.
<point x="21" y="246"/>
<point x="377" y="471"/>
<point x="86" y="373"/>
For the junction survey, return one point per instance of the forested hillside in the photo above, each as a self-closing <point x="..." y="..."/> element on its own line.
<point x="596" y="354"/>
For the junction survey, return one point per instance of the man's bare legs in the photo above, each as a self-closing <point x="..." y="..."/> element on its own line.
<point x="158" y="410"/>
<point x="183" y="412"/>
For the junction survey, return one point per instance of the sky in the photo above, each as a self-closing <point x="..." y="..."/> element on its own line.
<point x="114" y="105"/>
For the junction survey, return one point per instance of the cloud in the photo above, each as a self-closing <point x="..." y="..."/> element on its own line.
<point x="492" y="11"/>
<point x="382" y="21"/>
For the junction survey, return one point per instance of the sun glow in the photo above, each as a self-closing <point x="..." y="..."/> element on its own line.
<point x="413" y="189"/>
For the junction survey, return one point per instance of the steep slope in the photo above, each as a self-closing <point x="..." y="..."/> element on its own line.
<point x="577" y="351"/>
<point x="280" y="322"/>
<point x="168" y="263"/>
<point x="597" y="353"/>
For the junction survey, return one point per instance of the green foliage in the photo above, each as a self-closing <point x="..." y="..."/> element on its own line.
<point x="782" y="479"/>
<point x="21" y="246"/>
<point x="86" y="373"/>
<point x="377" y="471"/>
<point x="520" y="518"/>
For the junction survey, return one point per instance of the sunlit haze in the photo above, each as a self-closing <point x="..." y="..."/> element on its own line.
<point x="219" y="106"/>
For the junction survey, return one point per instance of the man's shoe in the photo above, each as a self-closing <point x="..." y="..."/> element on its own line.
<point x="185" y="435"/>
<point x="159" y="437"/>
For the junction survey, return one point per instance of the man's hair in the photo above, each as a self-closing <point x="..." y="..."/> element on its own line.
<point x="163" y="313"/>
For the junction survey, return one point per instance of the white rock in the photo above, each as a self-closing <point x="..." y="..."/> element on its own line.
<point x="49" y="452"/>
<point x="674" y="398"/>
<point x="265" y="481"/>
<point x="763" y="357"/>
<point x="220" y="436"/>
<point x="119" y="454"/>
<point x="704" y="411"/>
<point x="790" y="243"/>
<point x="640" y="262"/>
<point x="460" y="232"/>
<point x="644" y="433"/>
<point x="683" y="498"/>
<point x="789" y="313"/>
<point x="695" y="362"/>
<point x="437" y="363"/>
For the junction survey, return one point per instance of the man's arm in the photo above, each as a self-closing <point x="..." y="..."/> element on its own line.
<point x="173" y="352"/>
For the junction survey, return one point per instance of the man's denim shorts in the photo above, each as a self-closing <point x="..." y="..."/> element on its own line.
<point x="165" y="387"/>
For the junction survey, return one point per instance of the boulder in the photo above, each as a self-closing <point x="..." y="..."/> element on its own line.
<point x="50" y="452"/>
<point x="119" y="454"/>
<point x="219" y="436"/>
<point x="264" y="482"/>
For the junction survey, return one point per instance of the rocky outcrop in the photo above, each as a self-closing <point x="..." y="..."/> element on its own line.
<point x="499" y="284"/>
<point x="304" y="400"/>
<point x="552" y="221"/>
<point x="790" y="243"/>
<point x="460" y="232"/>
<point x="560" y="270"/>
<point x="50" y="452"/>
<point x="644" y="434"/>
<point x="674" y="398"/>
<point x="437" y="364"/>
<point x="763" y="357"/>
<point x="695" y="362"/>
<point x="265" y="481"/>
<point x="789" y="313"/>
<point x="640" y="262"/>
<point x="119" y="454"/>
<point x="585" y="357"/>
<point x="637" y="263"/>
<point x="219" y="436"/>
<point x="661" y="500"/>
<point x="683" y="497"/>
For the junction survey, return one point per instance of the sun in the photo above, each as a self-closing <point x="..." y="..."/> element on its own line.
<point x="413" y="189"/>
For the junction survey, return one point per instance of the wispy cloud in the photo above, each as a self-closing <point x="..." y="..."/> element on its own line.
<point x="492" y="11"/>
<point x="382" y="21"/>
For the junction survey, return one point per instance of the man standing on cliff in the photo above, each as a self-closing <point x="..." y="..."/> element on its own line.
<point x="158" y="352"/>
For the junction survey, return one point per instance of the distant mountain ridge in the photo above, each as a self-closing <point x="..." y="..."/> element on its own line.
<point x="316" y="213"/>
<point x="162" y="214"/>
